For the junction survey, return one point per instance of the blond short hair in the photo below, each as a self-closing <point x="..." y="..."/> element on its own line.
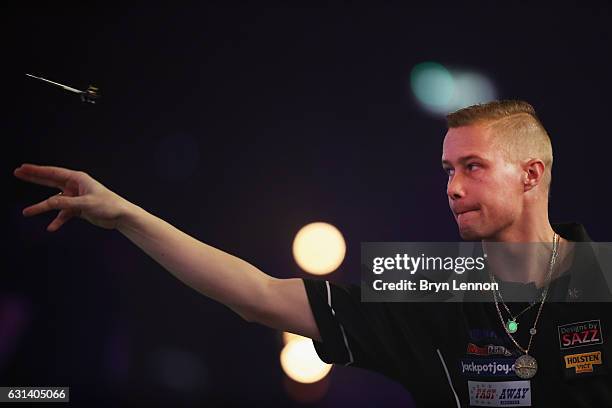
<point x="516" y="128"/>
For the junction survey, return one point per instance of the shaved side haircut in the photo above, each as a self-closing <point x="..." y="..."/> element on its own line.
<point x="516" y="129"/>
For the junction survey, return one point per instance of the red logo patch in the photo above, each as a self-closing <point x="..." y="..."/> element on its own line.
<point x="488" y="350"/>
<point x="580" y="334"/>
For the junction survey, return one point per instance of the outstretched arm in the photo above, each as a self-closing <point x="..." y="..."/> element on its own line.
<point x="278" y="303"/>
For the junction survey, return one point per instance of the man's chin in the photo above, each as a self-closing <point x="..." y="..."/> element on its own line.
<point x="469" y="234"/>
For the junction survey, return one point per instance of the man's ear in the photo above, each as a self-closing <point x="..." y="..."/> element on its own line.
<point x="533" y="172"/>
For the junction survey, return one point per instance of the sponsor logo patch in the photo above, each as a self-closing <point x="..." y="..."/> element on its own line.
<point x="487" y="367"/>
<point x="488" y="350"/>
<point x="584" y="362"/>
<point x="580" y="334"/>
<point x="500" y="394"/>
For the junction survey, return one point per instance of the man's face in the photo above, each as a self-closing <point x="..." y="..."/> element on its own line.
<point x="484" y="190"/>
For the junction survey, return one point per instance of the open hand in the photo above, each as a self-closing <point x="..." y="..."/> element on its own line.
<point x="80" y="196"/>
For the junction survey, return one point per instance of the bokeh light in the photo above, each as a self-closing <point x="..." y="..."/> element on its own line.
<point x="319" y="248"/>
<point x="471" y="88"/>
<point x="439" y="90"/>
<point x="301" y="363"/>
<point x="432" y="85"/>
<point x="288" y="337"/>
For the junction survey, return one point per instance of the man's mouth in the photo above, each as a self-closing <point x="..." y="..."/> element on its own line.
<point x="464" y="213"/>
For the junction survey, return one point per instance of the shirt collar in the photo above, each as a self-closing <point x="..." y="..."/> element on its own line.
<point x="572" y="231"/>
<point x="584" y="276"/>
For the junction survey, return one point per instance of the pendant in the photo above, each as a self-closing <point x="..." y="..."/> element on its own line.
<point x="512" y="326"/>
<point x="525" y="366"/>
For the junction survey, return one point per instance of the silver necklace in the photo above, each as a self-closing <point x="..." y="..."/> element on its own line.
<point x="526" y="366"/>
<point x="511" y="323"/>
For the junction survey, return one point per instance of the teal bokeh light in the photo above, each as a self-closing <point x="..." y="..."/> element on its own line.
<point x="440" y="90"/>
<point x="433" y="85"/>
<point x="471" y="88"/>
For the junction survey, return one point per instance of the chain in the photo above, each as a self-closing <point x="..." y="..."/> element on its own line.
<point x="498" y="292"/>
<point x="532" y="332"/>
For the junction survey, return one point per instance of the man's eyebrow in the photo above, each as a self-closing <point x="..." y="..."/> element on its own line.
<point x="464" y="159"/>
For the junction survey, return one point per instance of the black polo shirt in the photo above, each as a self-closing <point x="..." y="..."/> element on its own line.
<point x="459" y="355"/>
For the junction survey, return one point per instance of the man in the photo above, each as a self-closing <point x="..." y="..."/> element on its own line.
<point x="498" y="158"/>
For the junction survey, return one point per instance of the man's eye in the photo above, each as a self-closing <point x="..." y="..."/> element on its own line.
<point x="448" y="171"/>
<point x="471" y="166"/>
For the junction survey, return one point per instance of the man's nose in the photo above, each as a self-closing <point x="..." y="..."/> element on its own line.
<point x="455" y="187"/>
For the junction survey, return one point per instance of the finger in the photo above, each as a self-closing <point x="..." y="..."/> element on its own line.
<point x="60" y="220"/>
<point x="45" y="175"/>
<point x="56" y="202"/>
<point x="37" y="180"/>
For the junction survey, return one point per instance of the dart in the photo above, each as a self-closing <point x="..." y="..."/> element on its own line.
<point x="89" y="95"/>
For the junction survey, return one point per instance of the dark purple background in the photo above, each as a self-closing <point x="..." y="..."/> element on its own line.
<point x="239" y="126"/>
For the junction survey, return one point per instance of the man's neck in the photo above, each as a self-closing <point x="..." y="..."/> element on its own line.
<point x="529" y="229"/>
<point x="524" y="255"/>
